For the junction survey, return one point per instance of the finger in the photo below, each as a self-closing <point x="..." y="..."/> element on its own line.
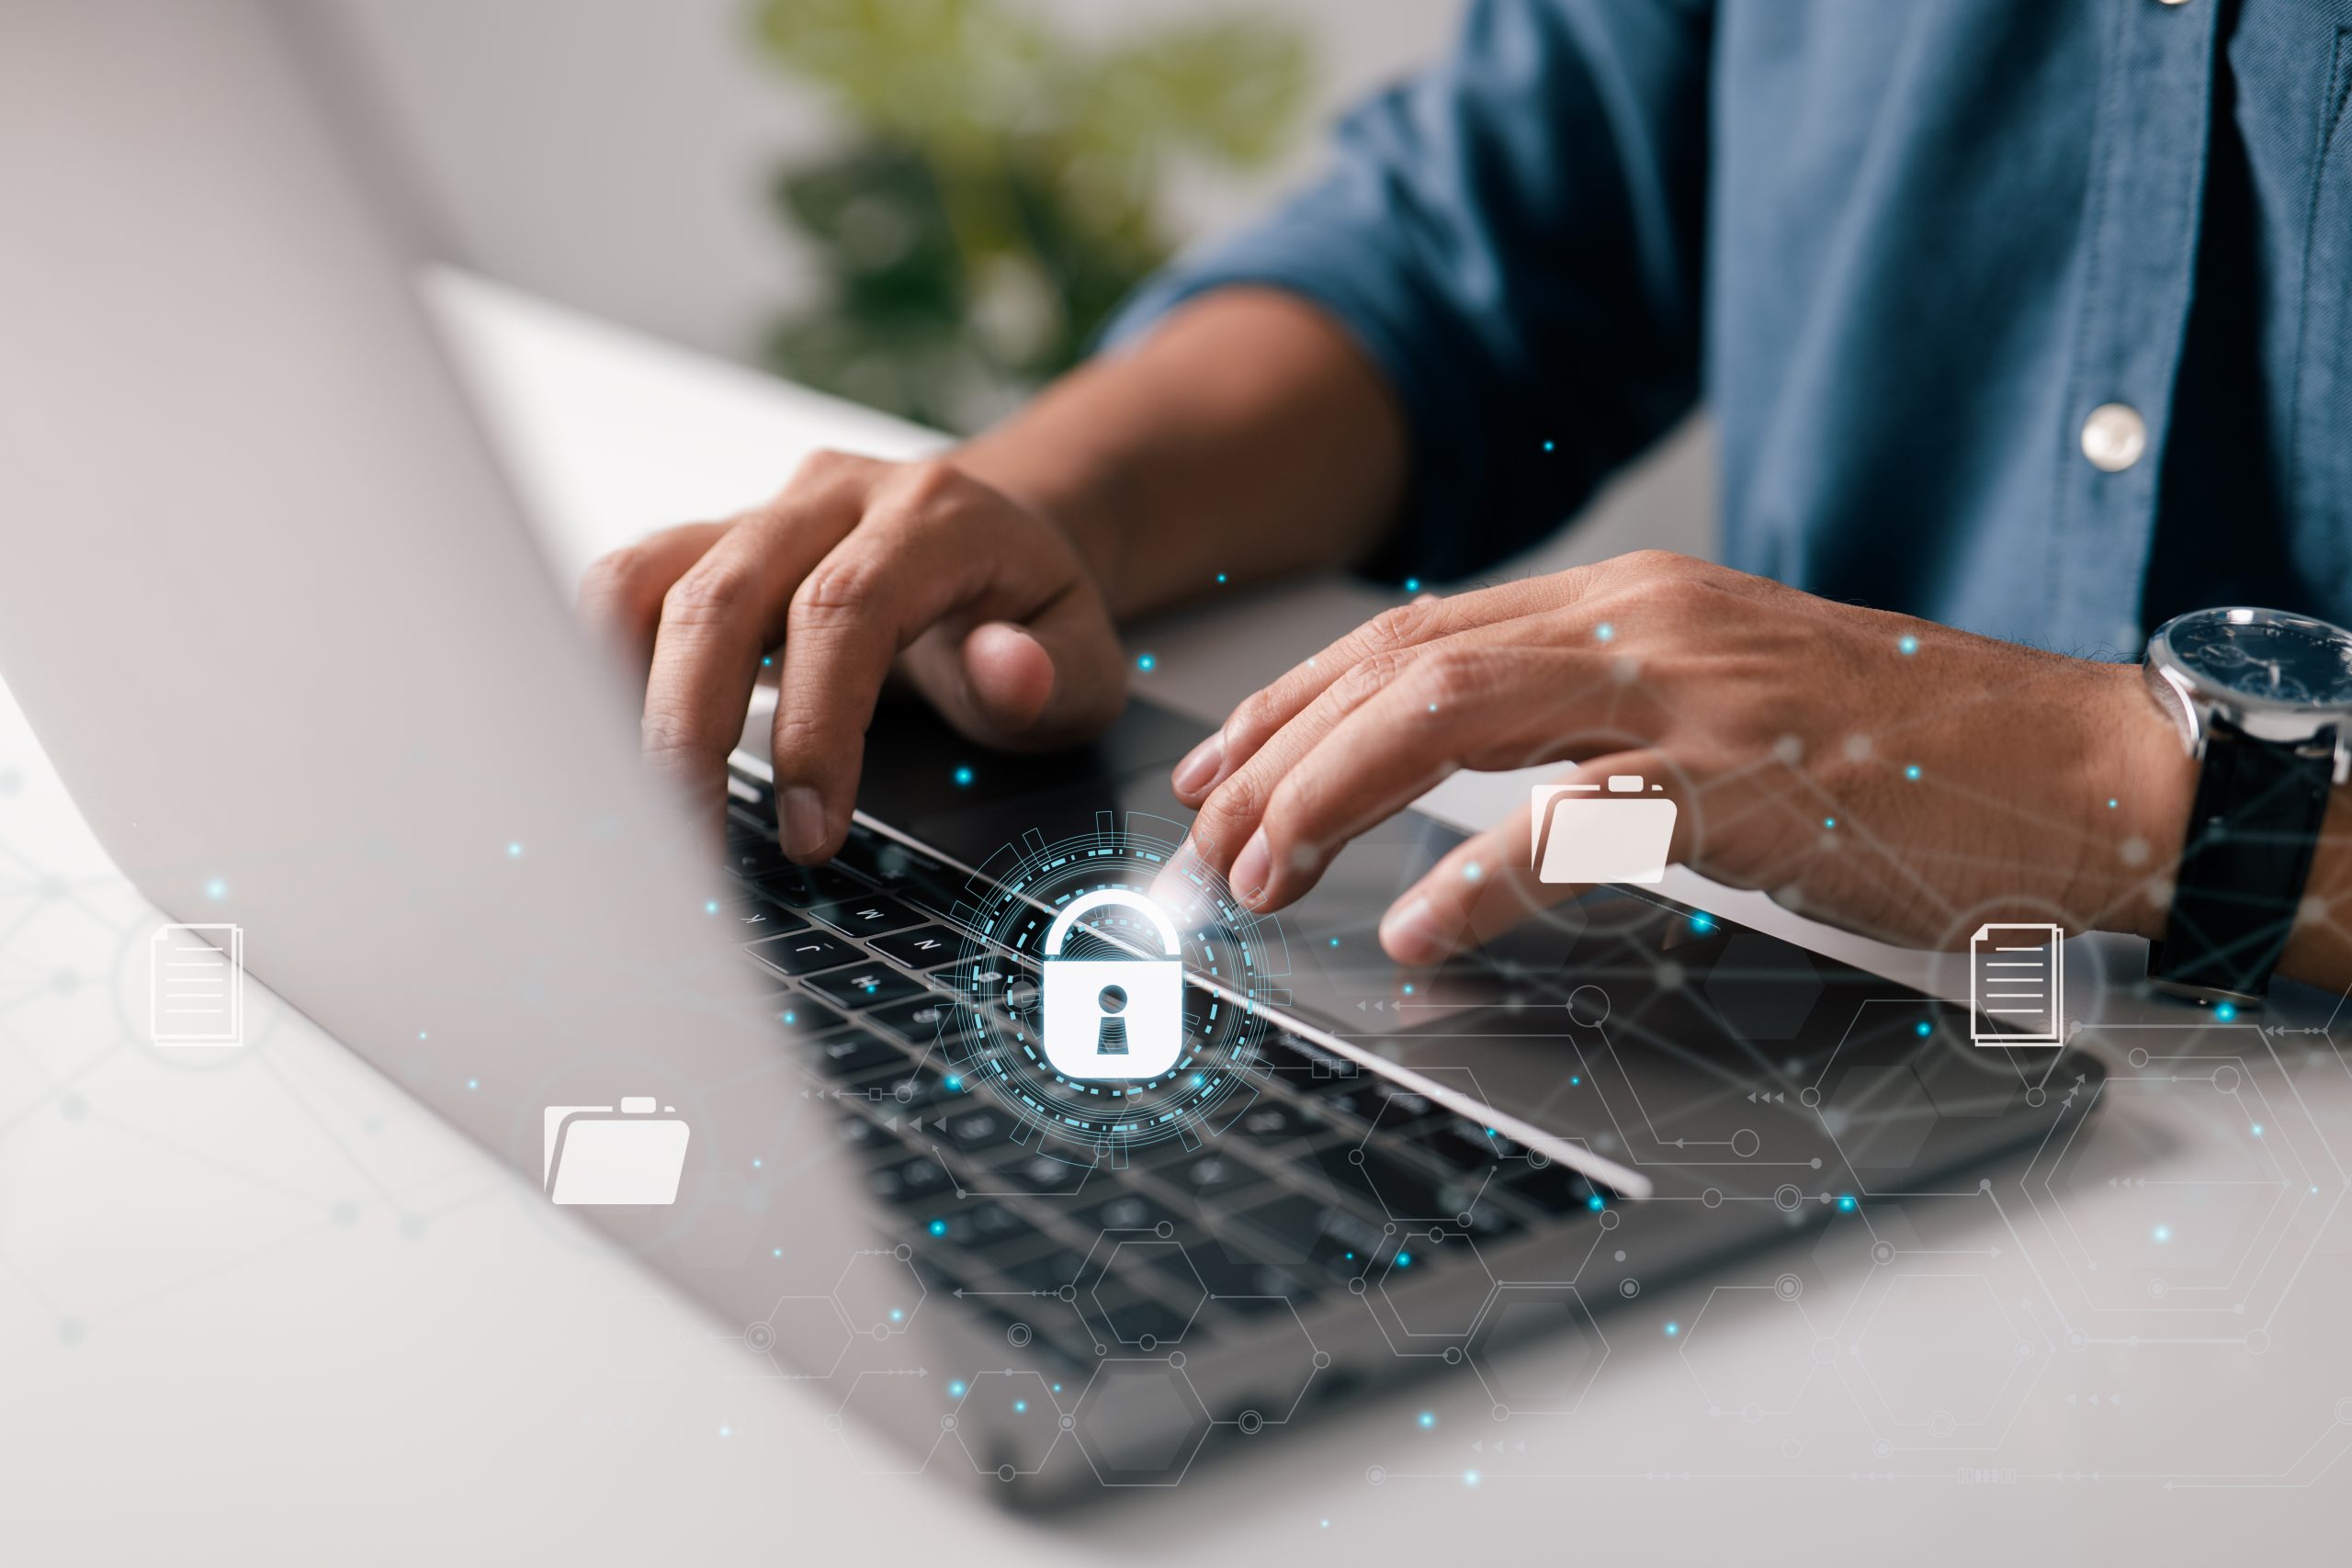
<point x="1460" y="706"/>
<point x="922" y="556"/>
<point x="1489" y="881"/>
<point x="620" y="593"/>
<point x="1384" y="642"/>
<point x="1233" y="807"/>
<point x="1047" y="681"/>
<point x="717" y="620"/>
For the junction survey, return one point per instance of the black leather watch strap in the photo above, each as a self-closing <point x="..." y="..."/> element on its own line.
<point x="2252" y="831"/>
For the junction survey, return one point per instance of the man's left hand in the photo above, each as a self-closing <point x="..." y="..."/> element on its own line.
<point x="1888" y="774"/>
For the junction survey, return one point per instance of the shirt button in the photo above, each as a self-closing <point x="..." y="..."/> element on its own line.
<point x="2114" y="437"/>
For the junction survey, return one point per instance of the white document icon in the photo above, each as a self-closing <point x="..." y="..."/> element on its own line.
<point x="596" y="1154"/>
<point x="2017" y="985"/>
<point x="196" y="985"/>
<point x="1583" y="833"/>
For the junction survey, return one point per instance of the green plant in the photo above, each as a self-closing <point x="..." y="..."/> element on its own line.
<point x="998" y="194"/>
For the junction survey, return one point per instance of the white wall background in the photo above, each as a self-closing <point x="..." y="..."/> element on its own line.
<point x="616" y="155"/>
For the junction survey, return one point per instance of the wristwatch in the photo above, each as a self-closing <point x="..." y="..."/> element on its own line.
<point x="2263" y="701"/>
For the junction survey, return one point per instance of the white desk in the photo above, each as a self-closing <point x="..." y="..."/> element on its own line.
<point x="272" y="1310"/>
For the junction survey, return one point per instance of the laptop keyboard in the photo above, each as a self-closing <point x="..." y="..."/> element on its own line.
<point x="1289" y="1201"/>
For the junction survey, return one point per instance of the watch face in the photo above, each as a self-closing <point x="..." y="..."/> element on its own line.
<point x="2263" y="657"/>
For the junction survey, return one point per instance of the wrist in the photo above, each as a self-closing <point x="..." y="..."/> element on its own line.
<point x="2152" y="779"/>
<point x="1081" y="493"/>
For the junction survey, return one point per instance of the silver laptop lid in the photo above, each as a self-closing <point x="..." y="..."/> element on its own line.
<point x="278" y="624"/>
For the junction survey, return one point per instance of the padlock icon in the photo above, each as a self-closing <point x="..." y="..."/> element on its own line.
<point x="1113" y="1018"/>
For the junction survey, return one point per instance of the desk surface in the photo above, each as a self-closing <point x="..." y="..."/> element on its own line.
<point x="268" y="1309"/>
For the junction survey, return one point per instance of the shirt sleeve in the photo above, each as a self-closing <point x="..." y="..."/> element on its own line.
<point x="1515" y="237"/>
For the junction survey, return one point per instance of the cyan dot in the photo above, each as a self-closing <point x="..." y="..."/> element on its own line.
<point x="1907" y="644"/>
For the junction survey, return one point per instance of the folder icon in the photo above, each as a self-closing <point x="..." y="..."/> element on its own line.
<point x="600" y="1155"/>
<point x="1583" y="833"/>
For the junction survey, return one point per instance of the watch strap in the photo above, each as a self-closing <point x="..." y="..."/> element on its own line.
<point x="2252" y="832"/>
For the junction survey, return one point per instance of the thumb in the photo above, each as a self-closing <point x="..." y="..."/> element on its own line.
<point x="1055" y="679"/>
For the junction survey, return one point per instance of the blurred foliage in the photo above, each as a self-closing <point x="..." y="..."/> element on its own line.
<point x="997" y="195"/>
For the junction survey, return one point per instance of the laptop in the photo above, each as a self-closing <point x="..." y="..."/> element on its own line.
<point x="275" y="616"/>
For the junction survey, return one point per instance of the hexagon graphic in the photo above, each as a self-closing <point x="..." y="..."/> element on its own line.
<point x="1447" y="1307"/>
<point x="1764" y="989"/>
<point x="1880" y="1115"/>
<point x="1284" y="1371"/>
<point x="801" y="1334"/>
<point x="889" y="1422"/>
<point x="1749" y="1349"/>
<point x="1008" y="1419"/>
<point x="1147" y="1294"/>
<point x="880" y="1294"/>
<point x="1139" y="1421"/>
<point x="1537" y="1349"/>
<point x="1939" y="1350"/>
<point x="1403" y="1192"/>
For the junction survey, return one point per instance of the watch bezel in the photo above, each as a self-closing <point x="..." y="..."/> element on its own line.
<point x="2191" y="700"/>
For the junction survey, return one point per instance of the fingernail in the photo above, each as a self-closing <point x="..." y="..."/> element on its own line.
<point x="1252" y="867"/>
<point x="804" y="822"/>
<point x="1199" y="766"/>
<point x="1410" y="934"/>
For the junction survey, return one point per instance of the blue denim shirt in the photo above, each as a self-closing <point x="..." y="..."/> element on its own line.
<point x="1903" y="249"/>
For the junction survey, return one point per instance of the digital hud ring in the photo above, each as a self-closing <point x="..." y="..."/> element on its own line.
<point x="1146" y="1073"/>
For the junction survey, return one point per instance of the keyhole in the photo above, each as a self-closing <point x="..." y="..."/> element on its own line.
<point x="1111" y="1035"/>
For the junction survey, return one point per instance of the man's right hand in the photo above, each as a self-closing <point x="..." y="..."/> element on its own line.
<point x="858" y="567"/>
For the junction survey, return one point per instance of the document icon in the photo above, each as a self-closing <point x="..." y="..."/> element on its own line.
<point x="2017" y="985"/>
<point x="1582" y="833"/>
<point x="196" y="985"/>
<point x="596" y="1154"/>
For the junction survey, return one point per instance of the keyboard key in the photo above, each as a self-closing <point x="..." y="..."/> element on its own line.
<point x="867" y="985"/>
<point x="1229" y="1269"/>
<point x="804" y="953"/>
<point x="1300" y="1228"/>
<point x="803" y="885"/>
<point x="1271" y="1121"/>
<point x="975" y="1127"/>
<point x="980" y="1225"/>
<point x="1215" y="1179"/>
<point x="809" y="1017"/>
<point x="917" y="1180"/>
<point x="754" y="858"/>
<point x="892" y="864"/>
<point x="1134" y="1318"/>
<point x="756" y="918"/>
<point x="923" y="947"/>
<point x="1048" y="1271"/>
<point x="1405" y="1191"/>
<point x="1024" y="1170"/>
<point x="860" y="1055"/>
<point x="868" y="917"/>
<point x="917" y="1022"/>
<point x="1126" y="1211"/>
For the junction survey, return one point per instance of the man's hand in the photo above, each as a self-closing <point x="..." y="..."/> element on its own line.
<point x="1890" y="774"/>
<point x="858" y="567"/>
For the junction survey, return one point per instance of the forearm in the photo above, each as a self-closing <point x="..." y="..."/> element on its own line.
<point x="1246" y="436"/>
